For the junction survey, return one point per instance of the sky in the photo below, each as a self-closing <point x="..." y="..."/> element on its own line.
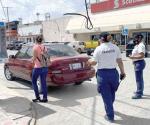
<point x="27" y="9"/>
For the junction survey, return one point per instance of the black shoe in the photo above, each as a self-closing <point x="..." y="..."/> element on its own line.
<point x="137" y="97"/>
<point x="111" y="120"/>
<point x="44" y="100"/>
<point x="36" y="100"/>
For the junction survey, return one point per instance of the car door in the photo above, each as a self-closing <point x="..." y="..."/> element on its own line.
<point x="19" y="62"/>
<point x="27" y="65"/>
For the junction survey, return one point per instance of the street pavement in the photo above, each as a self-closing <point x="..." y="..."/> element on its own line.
<point x="74" y="105"/>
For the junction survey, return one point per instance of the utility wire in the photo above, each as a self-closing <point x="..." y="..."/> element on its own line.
<point x="89" y="24"/>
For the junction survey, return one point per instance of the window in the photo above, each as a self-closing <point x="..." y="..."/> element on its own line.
<point x="29" y="53"/>
<point x="117" y="38"/>
<point x="21" y="53"/>
<point x="59" y="50"/>
<point x="95" y="37"/>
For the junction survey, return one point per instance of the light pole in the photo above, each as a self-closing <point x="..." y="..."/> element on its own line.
<point x="55" y="21"/>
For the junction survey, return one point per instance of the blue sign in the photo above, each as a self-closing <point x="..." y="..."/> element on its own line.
<point x="125" y="31"/>
<point x="2" y="24"/>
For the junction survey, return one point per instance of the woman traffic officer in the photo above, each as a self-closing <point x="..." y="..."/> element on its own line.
<point x="107" y="56"/>
<point x="137" y="57"/>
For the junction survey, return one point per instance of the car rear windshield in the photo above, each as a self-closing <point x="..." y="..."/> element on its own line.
<point x="60" y="50"/>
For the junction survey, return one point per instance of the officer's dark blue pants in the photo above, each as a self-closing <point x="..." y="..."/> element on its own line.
<point x="139" y="67"/>
<point x="42" y="73"/>
<point x="108" y="82"/>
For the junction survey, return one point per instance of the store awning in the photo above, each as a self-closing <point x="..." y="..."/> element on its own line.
<point x="132" y="18"/>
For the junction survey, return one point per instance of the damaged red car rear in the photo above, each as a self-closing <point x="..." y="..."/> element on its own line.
<point x="66" y="67"/>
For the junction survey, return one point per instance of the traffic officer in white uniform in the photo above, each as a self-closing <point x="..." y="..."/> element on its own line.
<point x="107" y="56"/>
<point x="137" y="56"/>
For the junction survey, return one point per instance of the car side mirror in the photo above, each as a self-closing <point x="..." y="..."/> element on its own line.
<point x="12" y="56"/>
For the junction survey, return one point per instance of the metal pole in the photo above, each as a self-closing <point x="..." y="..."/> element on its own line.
<point x="8" y="24"/>
<point x="7" y="11"/>
<point x="125" y="42"/>
<point x="58" y="30"/>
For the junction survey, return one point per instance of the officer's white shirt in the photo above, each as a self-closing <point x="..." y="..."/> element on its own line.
<point x="106" y="55"/>
<point x="140" y="48"/>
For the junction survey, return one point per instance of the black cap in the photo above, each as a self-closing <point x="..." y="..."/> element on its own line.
<point x="103" y="36"/>
<point x="139" y="36"/>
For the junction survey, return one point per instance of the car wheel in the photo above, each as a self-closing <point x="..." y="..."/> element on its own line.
<point x="89" y="53"/>
<point x="79" y="50"/>
<point x="39" y="85"/>
<point x="8" y="74"/>
<point x="78" y="83"/>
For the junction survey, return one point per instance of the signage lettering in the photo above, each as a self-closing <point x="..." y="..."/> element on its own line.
<point x="126" y="2"/>
<point x="116" y="4"/>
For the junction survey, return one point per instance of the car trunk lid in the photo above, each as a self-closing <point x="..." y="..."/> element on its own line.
<point x="68" y="64"/>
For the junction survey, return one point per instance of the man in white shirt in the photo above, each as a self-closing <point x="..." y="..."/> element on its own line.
<point x="137" y="57"/>
<point x="107" y="56"/>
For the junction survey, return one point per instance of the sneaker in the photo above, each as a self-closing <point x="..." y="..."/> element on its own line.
<point x="111" y="120"/>
<point x="137" y="97"/>
<point x="36" y="100"/>
<point x="44" y="100"/>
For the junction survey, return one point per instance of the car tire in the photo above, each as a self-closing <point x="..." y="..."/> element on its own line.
<point x="79" y="50"/>
<point x="78" y="83"/>
<point x="89" y="53"/>
<point x="8" y="75"/>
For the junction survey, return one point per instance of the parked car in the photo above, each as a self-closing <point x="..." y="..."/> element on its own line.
<point x="77" y="45"/>
<point x="15" y="45"/>
<point x="91" y="45"/>
<point x="66" y="67"/>
<point x="18" y="45"/>
<point x="10" y="46"/>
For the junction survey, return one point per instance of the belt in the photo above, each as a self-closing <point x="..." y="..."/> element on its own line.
<point x="138" y="61"/>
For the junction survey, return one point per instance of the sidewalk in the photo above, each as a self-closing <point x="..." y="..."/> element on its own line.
<point x="4" y="117"/>
<point x="12" y="113"/>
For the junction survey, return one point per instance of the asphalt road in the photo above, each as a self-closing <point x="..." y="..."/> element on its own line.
<point x="82" y="105"/>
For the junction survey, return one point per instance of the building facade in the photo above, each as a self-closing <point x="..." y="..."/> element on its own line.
<point x="12" y="31"/>
<point x="29" y="32"/>
<point x="54" y="30"/>
<point x="114" y="16"/>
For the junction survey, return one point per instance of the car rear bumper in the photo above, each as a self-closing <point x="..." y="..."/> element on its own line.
<point x="67" y="78"/>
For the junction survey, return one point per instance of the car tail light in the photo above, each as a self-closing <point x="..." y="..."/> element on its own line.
<point x="83" y="64"/>
<point x="86" y="66"/>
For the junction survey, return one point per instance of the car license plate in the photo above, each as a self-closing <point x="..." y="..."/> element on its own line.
<point x="75" y="66"/>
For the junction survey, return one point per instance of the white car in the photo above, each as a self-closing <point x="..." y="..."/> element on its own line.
<point x="78" y="46"/>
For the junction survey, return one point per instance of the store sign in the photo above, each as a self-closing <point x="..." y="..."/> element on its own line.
<point x="116" y="4"/>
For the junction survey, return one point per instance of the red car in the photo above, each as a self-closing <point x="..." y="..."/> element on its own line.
<point x="67" y="66"/>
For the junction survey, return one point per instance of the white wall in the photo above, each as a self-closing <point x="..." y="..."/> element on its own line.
<point x="30" y="29"/>
<point x="55" y="30"/>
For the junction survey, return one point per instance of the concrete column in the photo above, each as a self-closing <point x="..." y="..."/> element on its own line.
<point x="3" y="51"/>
